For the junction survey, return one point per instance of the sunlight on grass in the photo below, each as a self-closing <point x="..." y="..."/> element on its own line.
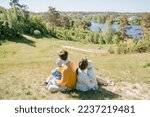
<point x="24" y="68"/>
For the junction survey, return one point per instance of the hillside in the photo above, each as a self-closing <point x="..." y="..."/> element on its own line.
<point x="25" y="65"/>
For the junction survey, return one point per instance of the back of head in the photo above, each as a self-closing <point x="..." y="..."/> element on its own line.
<point x="83" y="64"/>
<point x="63" y="55"/>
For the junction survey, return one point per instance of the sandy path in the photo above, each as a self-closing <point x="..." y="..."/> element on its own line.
<point x="86" y="50"/>
<point x="131" y="90"/>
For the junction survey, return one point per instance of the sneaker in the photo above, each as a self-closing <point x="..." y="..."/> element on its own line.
<point x="46" y="83"/>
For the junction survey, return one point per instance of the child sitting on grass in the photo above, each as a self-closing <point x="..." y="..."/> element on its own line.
<point x="85" y="76"/>
<point x="86" y="79"/>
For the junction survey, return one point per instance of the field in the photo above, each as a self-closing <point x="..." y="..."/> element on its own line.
<point x="26" y="63"/>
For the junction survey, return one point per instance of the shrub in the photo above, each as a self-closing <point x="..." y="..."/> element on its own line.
<point x="143" y="45"/>
<point x="137" y="46"/>
<point x="108" y="38"/>
<point x="101" y="39"/>
<point x="116" y="39"/>
<point x="37" y="33"/>
<point x="123" y="48"/>
<point x="96" y="38"/>
<point x="146" y="65"/>
<point x="111" y="50"/>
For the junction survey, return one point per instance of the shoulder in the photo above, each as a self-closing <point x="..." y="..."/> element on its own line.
<point x="70" y="63"/>
<point x="80" y="71"/>
<point x="82" y="74"/>
<point x="68" y="67"/>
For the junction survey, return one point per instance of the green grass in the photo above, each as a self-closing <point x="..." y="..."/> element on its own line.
<point x="25" y="65"/>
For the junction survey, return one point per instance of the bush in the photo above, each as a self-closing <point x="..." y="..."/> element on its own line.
<point x="140" y="46"/>
<point x="146" y="65"/>
<point x="108" y="38"/>
<point x="123" y="48"/>
<point x="111" y="50"/>
<point x="37" y="33"/>
<point x="10" y="22"/>
<point x="116" y="39"/>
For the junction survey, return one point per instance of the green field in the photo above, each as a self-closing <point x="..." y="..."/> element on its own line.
<point x="25" y="64"/>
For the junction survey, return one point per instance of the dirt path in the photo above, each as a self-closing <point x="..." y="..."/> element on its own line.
<point x="94" y="51"/>
<point x="131" y="90"/>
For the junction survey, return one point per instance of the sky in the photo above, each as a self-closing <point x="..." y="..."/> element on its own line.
<point x="85" y="5"/>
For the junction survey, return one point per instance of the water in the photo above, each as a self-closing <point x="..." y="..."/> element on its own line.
<point x="131" y="30"/>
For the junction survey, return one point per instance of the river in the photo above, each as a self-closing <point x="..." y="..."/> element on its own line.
<point x="131" y="30"/>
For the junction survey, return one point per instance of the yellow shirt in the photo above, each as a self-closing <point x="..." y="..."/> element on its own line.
<point x="69" y="77"/>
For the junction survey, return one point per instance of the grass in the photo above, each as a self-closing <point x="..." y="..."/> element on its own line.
<point x="25" y="65"/>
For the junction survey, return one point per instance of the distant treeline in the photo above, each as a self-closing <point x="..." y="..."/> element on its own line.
<point x="73" y="25"/>
<point x="102" y="17"/>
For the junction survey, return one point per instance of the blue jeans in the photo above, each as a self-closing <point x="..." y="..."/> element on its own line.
<point x="56" y="74"/>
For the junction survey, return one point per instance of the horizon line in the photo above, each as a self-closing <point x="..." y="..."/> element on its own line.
<point x="85" y="11"/>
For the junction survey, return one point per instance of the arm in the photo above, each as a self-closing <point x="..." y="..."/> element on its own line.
<point x="86" y="80"/>
<point x="63" y="79"/>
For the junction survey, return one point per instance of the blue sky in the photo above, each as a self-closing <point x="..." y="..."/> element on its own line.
<point x="85" y="5"/>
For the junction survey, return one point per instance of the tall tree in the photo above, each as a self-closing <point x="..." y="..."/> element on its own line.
<point x="123" y="23"/>
<point x="54" y="18"/>
<point x="145" y="25"/>
<point x="16" y="3"/>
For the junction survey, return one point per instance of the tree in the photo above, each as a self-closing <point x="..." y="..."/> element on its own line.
<point x="10" y="21"/>
<point x="15" y="3"/>
<point x="145" y="25"/>
<point x="123" y="23"/>
<point x="82" y="24"/>
<point x="64" y="22"/>
<point x="54" y="18"/>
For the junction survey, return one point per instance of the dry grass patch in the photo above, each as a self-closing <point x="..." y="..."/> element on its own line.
<point x="24" y="68"/>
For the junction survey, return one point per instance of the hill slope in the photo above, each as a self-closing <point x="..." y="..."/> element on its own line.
<point x="24" y="68"/>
